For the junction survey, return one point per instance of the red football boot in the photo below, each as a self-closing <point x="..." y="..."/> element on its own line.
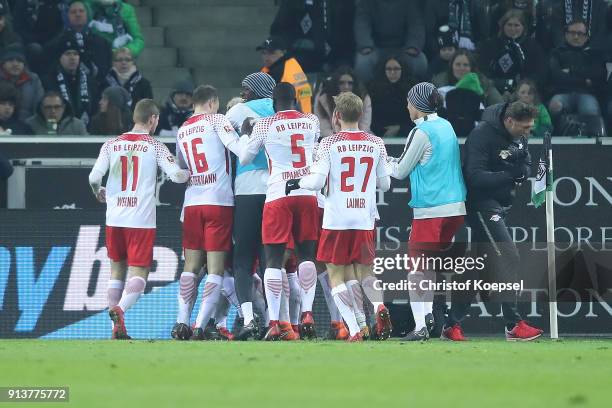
<point x="307" y="326"/>
<point x="355" y="339"/>
<point x="119" y="330"/>
<point x="287" y="333"/>
<point x="342" y="332"/>
<point x="383" y="323"/>
<point x="225" y="334"/>
<point x="453" y="333"/>
<point x="273" y="332"/>
<point x="523" y="332"/>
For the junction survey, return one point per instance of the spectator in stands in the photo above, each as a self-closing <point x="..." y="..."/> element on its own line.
<point x="527" y="92"/>
<point x="512" y="55"/>
<point x="555" y="15"/>
<point x="115" y="115"/>
<point x="95" y="51"/>
<point x="125" y="73"/>
<point x="177" y="109"/>
<point x="8" y="37"/>
<point x="73" y="81"/>
<point x="528" y="7"/>
<point x="389" y="27"/>
<point x="577" y="74"/>
<point x="388" y="92"/>
<point x="319" y="32"/>
<point x="36" y="21"/>
<point x="285" y="68"/>
<point x="470" y="20"/>
<point x="13" y="69"/>
<point x="54" y="117"/>
<point x="116" y="21"/>
<point x="10" y="124"/>
<point x="462" y="63"/>
<point x="343" y="80"/>
<point x="446" y="46"/>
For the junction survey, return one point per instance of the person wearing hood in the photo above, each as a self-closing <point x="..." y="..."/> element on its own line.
<point x="125" y="74"/>
<point x="10" y="124"/>
<point x="54" y="117"/>
<point x="496" y="163"/>
<point x="95" y="51"/>
<point x="177" y="110"/>
<point x="512" y="55"/>
<point x="13" y="69"/>
<point x="388" y="92"/>
<point x="250" y="194"/>
<point x="577" y="74"/>
<point x="116" y="21"/>
<point x="73" y="80"/>
<point x="115" y="115"/>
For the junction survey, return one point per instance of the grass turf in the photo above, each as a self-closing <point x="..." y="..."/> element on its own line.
<point x="479" y="373"/>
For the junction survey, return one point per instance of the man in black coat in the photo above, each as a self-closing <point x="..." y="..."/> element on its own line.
<point x="496" y="162"/>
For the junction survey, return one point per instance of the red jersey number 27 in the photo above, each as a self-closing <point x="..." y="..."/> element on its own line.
<point x="349" y="173"/>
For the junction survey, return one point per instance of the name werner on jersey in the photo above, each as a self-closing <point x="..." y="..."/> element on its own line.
<point x="127" y="201"/>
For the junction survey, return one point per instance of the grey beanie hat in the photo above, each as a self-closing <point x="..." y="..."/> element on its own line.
<point x="260" y="83"/>
<point x="419" y="95"/>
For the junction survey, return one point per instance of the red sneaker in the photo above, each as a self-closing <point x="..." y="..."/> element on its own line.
<point x="287" y="333"/>
<point x="383" y="323"/>
<point x="453" y="333"/>
<point x="225" y="334"/>
<point x="119" y="330"/>
<point x="355" y="339"/>
<point x="523" y="332"/>
<point x="307" y="326"/>
<point x="273" y="332"/>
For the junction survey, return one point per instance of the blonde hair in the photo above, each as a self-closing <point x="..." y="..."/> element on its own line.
<point x="122" y="50"/>
<point x="349" y="106"/>
<point x="144" y="109"/>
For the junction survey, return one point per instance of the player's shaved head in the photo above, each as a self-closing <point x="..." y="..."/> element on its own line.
<point x="284" y="92"/>
<point x="203" y="94"/>
<point x="144" y="110"/>
<point x="349" y="106"/>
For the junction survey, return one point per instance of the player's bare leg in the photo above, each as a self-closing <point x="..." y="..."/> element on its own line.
<point x="383" y="325"/>
<point x="134" y="287"/>
<point x="307" y="275"/>
<point x="273" y="283"/>
<point x="342" y="298"/>
<point x="354" y="289"/>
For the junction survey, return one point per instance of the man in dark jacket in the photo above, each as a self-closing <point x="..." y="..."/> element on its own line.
<point x="54" y="117"/>
<point x="389" y="27"/>
<point x="577" y="74"/>
<point x="177" y="110"/>
<point x="73" y="80"/>
<point x="496" y="162"/>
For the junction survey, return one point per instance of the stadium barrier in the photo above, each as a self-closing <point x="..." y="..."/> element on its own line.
<point x="53" y="266"/>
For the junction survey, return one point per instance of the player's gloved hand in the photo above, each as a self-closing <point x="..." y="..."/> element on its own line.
<point x="291" y="185"/>
<point x="101" y="195"/>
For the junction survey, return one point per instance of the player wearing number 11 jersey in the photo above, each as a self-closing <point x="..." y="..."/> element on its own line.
<point x="131" y="160"/>
<point x="289" y="138"/>
<point x="353" y="163"/>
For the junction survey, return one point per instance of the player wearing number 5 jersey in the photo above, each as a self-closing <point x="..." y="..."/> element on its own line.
<point x="353" y="163"/>
<point x="289" y="138"/>
<point x="131" y="161"/>
<point x="202" y="145"/>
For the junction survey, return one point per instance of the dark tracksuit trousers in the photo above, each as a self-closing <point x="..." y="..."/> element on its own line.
<point x="490" y="236"/>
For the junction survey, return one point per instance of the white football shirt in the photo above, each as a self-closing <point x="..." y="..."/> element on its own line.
<point x="352" y="161"/>
<point x="289" y="138"/>
<point x="132" y="160"/>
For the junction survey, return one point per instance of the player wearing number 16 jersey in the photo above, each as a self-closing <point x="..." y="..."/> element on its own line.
<point x="202" y="145"/>
<point x="353" y="163"/>
<point x="131" y="160"/>
<point x="289" y="138"/>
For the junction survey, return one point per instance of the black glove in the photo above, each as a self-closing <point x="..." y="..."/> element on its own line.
<point x="516" y="171"/>
<point x="291" y="185"/>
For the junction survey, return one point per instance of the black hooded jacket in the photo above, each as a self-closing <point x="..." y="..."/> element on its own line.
<point x="492" y="163"/>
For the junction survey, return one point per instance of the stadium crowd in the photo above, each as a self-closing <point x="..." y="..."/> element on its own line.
<point x="478" y="52"/>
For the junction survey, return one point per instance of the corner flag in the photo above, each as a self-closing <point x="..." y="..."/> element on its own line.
<point x="543" y="181"/>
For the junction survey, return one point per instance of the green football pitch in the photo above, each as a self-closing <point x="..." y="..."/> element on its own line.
<point x="478" y="373"/>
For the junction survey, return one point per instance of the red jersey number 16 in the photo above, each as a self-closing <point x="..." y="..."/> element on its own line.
<point x="199" y="159"/>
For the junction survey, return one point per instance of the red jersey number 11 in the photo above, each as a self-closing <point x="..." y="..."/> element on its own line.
<point x="125" y="169"/>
